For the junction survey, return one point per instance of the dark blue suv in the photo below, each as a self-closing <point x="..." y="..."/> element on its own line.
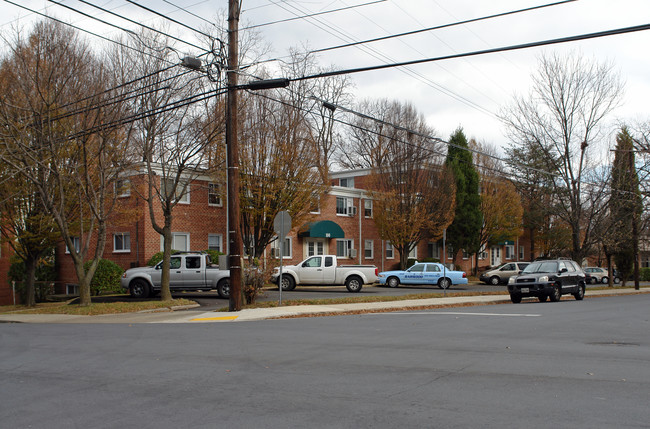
<point x="549" y="279"/>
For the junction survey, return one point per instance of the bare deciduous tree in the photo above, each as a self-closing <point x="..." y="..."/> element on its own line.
<point x="61" y="132"/>
<point x="413" y="194"/>
<point x="176" y="127"/>
<point x="563" y="118"/>
<point x="500" y="202"/>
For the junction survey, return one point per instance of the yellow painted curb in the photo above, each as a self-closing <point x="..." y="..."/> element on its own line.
<point x="214" y="318"/>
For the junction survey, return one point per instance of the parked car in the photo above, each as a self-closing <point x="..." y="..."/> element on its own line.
<point x="503" y="273"/>
<point x="424" y="273"/>
<point x="188" y="271"/>
<point x="548" y="279"/>
<point x="599" y="275"/>
<point x="324" y="270"/>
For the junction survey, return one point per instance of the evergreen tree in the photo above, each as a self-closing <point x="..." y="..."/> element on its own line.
<point x="463" y="233"/>
<point x="625" y="205"/>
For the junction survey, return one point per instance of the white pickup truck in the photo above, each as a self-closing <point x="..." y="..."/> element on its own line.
<point x="189" y="271"/>
<point x="323" y="270"/>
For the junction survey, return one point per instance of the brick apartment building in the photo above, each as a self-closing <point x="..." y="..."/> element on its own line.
<point x="343" y="225"/>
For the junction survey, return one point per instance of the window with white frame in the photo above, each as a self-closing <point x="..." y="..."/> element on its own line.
<point x="286" y="248"/>
<point x="450" y="252"/>
<point x="123" y="188"/>
<point x="368" y="246"/>
<point x="345" y="206"/>
<point x="214" y="195"/>
<point x="314" y="204"/>
<point x="510" y="251"/>
<point x="167" y="187"/>
<point x="315" y="248"/>
<point x="347" y="182"/>
<point x="465" y="254"/>
<point x="76" y="241"/>
<point x="413" y="254"/>
<point x="122" y="242"/>
<point x="482" y="253"/>
<point x="390" y="251"/>
<point x="214" y="242"/>
<point x="180" y="241"/>
<point x="343" y="248"/>
<point x="367" y="208"/>
<point x="521" y="253"/>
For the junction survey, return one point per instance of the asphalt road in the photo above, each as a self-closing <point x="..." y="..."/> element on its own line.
<point x="571" y="364"/>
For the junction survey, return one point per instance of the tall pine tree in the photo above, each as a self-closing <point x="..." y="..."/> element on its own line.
<point x="625" y="206"/>
<point x="463" y="233"/>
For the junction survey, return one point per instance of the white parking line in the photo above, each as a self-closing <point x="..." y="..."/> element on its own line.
<point x="467" y="314"/>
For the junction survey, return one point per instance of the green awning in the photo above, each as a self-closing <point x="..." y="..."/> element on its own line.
<point x="321" y="229"/>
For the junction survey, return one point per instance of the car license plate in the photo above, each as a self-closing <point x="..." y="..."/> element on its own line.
<point x="525" y="290"/>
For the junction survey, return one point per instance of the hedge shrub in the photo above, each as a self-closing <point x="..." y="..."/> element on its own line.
<point x="106" y="278"/>
<point x="157" y="257"/>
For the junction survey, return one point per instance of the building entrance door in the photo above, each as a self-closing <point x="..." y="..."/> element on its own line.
<point x="496" y="256"/>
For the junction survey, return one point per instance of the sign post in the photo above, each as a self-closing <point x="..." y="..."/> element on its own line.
<point x="444" y="257"/>
<point x="281" y="226"/>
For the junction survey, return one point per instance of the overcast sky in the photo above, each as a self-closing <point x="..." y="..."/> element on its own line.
<point x="467" y="92"/>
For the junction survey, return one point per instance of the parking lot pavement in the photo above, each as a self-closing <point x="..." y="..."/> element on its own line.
<point x="198" y="316"/>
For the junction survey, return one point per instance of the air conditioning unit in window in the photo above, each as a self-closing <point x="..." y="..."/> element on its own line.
<point x="353" y="253"/>
<point x="352" y="210"/>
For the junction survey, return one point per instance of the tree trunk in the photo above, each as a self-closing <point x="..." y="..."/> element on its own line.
<point x="30" y="276"/>
<point x="532" y="244"/>
<point x="610" y="270"/>
<point x="403" y="258"/>
<point x="165" y="291"/>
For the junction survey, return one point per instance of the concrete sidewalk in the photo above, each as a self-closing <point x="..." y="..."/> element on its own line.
<point x="192" y="316"/>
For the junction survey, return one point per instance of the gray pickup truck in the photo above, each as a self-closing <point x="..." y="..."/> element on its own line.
<point x="189" y="271"/>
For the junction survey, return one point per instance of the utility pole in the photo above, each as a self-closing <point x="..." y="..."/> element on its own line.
<point x="232" y="155"/>
<point x="635" y="227"/>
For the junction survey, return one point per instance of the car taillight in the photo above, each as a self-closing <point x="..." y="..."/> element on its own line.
<point x="376" y="271"/>
<point x="464" y="274"/>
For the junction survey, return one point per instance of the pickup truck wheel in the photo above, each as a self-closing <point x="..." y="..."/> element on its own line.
<point x="223" y="288"/>
<point x="393" y="282"/>
<point x="580" y="293"/>
<point x="495" y="280"/>
<point x="139" y="289"/>
<point x="287" y="283"/>
<point x="556" y="294"/>
<point x="444" y="283"/>
<point x="515" y="298"/>
<point x="354" y="283"/>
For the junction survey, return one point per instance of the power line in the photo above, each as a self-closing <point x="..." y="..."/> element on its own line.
<point x="580" y="37"/>
<point x="314" y="14"/>
<point x="329" y="28"/>
<point x="438" y="27"/>
<point x="142" y="25"/>
<point x="171" y="19"/>
<point x="79" y="28"/>
<point x="192" y="13"/>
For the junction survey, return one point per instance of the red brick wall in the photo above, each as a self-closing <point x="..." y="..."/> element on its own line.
<point x="197" y="218"/>
<point x="6" y="295"/>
